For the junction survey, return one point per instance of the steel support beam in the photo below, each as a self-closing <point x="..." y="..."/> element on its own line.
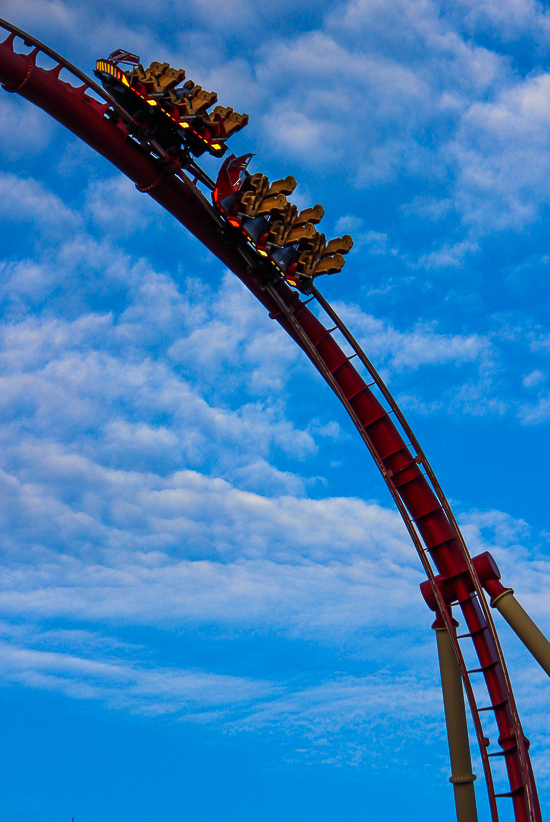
<point x="457" y="728"/>
<point x="521" y="623"/>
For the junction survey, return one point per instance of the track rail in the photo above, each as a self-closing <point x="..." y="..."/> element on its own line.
<point x="449" y="554"/>
<point x="417" y="494"/>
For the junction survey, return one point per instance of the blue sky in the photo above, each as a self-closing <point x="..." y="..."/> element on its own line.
<point x="209" y="607"/>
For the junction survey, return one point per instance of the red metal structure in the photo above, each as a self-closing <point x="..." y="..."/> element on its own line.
<point x="454" y="579"/>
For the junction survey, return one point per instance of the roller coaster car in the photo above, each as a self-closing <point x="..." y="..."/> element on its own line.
<point x="177" y="118"/>
<point x="278" y="232"/>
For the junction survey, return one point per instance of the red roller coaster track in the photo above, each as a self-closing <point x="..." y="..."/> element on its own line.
<point x="451" y="571"/>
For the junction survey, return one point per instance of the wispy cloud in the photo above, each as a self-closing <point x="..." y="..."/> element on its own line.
<point x="24" y="129"/>
<point x="153" y="691"/>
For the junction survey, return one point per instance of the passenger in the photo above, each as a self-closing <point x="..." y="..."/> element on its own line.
<point x="185" y="90"/>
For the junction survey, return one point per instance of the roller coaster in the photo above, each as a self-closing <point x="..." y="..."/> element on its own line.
<point x="153" y="132"/>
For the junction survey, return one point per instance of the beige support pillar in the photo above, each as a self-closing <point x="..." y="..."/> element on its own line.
<point x="457" y="729"/>
<point x="520" y="622"/>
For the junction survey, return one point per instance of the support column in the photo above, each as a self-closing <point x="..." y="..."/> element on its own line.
<point x="457" y="728"/>
<point x="504" y="601"/>
<point x="522" y="624"/>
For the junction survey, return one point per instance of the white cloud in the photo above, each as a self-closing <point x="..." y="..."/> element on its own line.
<point x="429" y="208"/>
<point x="24" y="129"/>
<point x="507" y="21"/>
<point x="373" y="76"/>
<point x="369" y="702"/>
<point x="68" y="375"/>
<point x="230" y="328"/>
<point x="365" y="708"/>
<point x="448" y="255"/>
<point x="535" y="413"/>
<point x="153" y="690"/>
<point x="502" y="158"/>
<point x="349" y="222"/>
<point x="411" y="349"/>
<point x="192" y="547"/>
<point x="116" y="207"/>
<point x="102" y="407"/>
<point x="533" y="378"/>
<point x="27" y="201"/>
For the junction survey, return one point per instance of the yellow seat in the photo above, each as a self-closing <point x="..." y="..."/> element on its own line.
<point x="330" y="265"/>
<point x="256" y="189"/>
<point x="285" y="186"/>
<point x="311" y="215"/>
<point x="170" y="78"/>
<point x="200" y="100"/>
<point x="274" y="202"/>
<point x="340" y="245"/>
<point x="301" y="233"/>
<point x="231" y="120"/>
<point x="306" y="263"/>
